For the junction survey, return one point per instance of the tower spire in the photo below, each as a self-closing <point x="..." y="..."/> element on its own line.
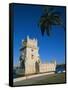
<point x="27" y="37"/>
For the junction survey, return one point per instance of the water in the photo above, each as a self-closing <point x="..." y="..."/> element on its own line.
<point x="60" y="68"/>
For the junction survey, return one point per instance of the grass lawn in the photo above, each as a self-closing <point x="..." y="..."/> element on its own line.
<point x="56" y="78"/>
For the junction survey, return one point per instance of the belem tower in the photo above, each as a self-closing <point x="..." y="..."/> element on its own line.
<point x="29" y="61"/>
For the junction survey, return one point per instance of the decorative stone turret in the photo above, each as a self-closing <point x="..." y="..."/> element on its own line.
<point x="29" y="59"/>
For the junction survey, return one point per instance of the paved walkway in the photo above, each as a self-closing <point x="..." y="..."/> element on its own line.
<point x="31" y="76"/>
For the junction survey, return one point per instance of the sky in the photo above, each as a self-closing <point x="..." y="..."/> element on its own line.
<point x="25" y="22"/>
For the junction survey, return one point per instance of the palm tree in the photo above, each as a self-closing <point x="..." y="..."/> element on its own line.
<point x="48" y="19"/>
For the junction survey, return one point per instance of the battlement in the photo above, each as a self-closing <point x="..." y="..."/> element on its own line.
<point x="30" y="42"/>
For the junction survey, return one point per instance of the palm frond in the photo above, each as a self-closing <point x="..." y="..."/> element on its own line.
<point x="42" y="30"/>
<point x="49" y="18"/>
<point x="48" y="9"/>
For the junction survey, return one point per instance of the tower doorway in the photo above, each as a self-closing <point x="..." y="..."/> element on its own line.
<point x="37" y="67"/>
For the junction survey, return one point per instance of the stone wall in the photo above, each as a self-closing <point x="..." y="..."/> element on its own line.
<point x="48" y="67"/>
<point x="29" y="67"/>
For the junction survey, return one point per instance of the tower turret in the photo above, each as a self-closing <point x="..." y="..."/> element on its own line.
<point x="29" y="55"/>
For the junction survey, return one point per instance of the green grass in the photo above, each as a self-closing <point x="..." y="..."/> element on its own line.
<point x="56" y="78"/>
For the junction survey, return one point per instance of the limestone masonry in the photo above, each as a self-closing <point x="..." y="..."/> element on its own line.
<point x="30" y="62"/>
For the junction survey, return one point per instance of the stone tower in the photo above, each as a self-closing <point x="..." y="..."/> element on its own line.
<point x="29" y="57"/>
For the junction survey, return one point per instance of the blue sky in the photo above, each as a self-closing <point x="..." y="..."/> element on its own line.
<point x="25" y="19"/>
